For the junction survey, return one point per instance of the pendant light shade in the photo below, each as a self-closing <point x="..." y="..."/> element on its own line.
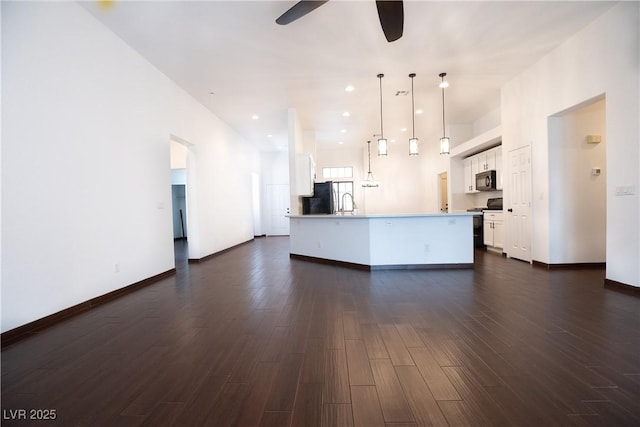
<point x="370" y="181"/>
<point x="382" y="142"/>
<point x="444" y="141"/>
<point x="444" y="145"/>
<point x="413" y="141"/>
<point x="413" y="147"/>
<point x="383" y="148"/>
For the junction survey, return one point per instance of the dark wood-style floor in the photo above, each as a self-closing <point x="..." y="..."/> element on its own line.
<point x="252" y="338"/>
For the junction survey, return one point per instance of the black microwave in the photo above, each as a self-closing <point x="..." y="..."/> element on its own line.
<point x="486" y="181"/>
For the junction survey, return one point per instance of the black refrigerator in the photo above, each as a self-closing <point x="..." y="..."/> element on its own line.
<point x="322" y="200"/>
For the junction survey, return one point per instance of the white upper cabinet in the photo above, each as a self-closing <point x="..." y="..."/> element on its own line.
<point x="470" y="171"/>
<point x="484" y="161"/>
<point x="498" y="167"/>
<point x="488" y="160"/>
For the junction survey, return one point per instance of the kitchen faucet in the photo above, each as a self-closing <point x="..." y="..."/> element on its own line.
<point x="353" y="202"/>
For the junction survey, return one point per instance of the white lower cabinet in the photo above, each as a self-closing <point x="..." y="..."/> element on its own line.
<point x="494" y="229"/>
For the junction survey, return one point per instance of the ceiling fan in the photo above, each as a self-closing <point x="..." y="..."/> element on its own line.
<point x="391" y="14"/>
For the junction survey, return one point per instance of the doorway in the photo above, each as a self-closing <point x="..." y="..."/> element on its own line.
<point x="443" y="200"/>
<point x="578" y="184"/>
<point x="179" y="199"/>
<point x="179" y="206"/>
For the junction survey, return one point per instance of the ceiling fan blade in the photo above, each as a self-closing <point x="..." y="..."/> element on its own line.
<point x="299" y="10"/>
<point x="391" y="15"/>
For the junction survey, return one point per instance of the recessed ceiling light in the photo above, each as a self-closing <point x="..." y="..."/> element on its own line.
<point x="403" y="129"/>
<point x="349" y="88"/>
<point x="340" y="142"/>
<point x="346" y="114"/>
<point x="255" y="117"/>
<point x="392" y="140"/>
<point x="269" y="136"/>
<point x="343" y="131"/>
<point x="419" y="111"/>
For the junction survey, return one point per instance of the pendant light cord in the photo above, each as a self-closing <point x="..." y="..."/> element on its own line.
<point x="413" y="109"/>
<point x="380" y="76"/>
<point x="369" y="154"/>
<point x="443" y="132"/>
<point x="443" y="122"/>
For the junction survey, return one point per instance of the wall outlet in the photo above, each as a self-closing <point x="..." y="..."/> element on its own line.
<point x="117" y="268"/>
<point x="625" y="190"/>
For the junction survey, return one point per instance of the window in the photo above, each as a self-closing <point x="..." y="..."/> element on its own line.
<point x="340" y="172"/>
<point x="339" y="190"/>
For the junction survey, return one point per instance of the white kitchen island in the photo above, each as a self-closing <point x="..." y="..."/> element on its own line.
<point x="380" y="241"/>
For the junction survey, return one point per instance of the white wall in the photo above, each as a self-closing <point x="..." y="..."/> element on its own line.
<point x="408" y="184"/>
<point x="220" y="182"/>
<point x="402" y="189"/>
<point x="578" y="199"/>
<point x="178" y="155"/>
<point x="600" y="59"/>
<point x="487" y="122"/>
<point x="86" y="164"/>
<point x="296" y="146"/>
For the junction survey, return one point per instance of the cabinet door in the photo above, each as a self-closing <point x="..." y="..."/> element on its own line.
<point x="498" y="234"/>
<point x="482" y="161"/>
<point x="488" y="232"/>
<point x="469" y="178"/>
<point x="490" y="160"/>
<point x="498" y="156"/>
<point x="475" y="168"/>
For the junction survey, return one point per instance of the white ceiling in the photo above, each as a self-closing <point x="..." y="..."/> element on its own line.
<point x="254" y="66"/>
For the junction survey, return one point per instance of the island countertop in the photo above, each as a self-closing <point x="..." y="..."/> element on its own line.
<point x="385" y="241"/>
<point x="387" y="215"/>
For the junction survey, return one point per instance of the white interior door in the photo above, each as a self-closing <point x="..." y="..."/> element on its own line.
<point x="279" y="200"/>
<point x="519" y="209"/>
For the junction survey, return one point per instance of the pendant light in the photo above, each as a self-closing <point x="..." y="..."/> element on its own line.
<point x="370" y="181"/>
<point x="382" y="142"/>
<point x="413" y="141"/>
<point x="444" y="141"/>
